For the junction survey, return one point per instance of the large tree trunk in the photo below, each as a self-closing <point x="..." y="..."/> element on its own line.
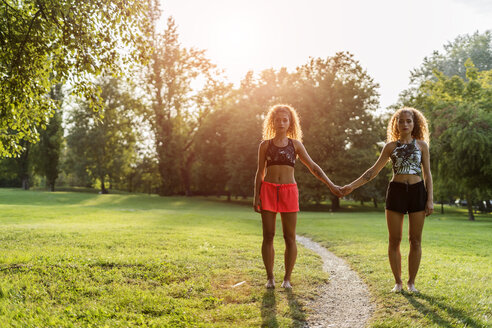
<point x="51" y="183"/>
<point x="471" y="217"/>
<point x="23" y="161"/>
<point x="167" y="156"/>
<point x="25" y="183"/>
<point x="103" y="187"/>
<point x="335" y="203"/>
<point x="186" y="174"/>
<point x="375" y="201"/>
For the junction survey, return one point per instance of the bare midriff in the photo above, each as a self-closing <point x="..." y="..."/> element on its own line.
<point x="280" y="174"/>
<point x="406" y="178"/>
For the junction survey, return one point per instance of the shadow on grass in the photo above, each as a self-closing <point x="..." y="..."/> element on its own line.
<point x="269" y="310"/>
<point x="425" y="303"/>
<point x="296" y="310"/>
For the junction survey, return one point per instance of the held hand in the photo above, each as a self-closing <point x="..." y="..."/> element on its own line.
<point x="347" y="189"/>
<point x="429" y="208"/>
<point x="336" y="191"/>
<point x="257" y="205"/>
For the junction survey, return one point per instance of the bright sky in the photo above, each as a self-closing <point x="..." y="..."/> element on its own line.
<point x="388" y="37"/>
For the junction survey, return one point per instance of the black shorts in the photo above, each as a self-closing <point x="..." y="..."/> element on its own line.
<point x="405" y="198"/>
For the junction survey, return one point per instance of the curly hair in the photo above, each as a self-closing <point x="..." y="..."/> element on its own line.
<point x="420" y="130"/>
<point x="294" y="131"/>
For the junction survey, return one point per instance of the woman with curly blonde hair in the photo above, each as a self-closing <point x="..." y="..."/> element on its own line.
<point x="407" y="147"/>
<point x="276" y="188"/>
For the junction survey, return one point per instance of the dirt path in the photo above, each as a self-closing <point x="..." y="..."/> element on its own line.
<point x="344" y="301"/>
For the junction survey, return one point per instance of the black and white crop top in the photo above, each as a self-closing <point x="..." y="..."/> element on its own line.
<point x="407" y="158"/>
<point x="280" y="155"/>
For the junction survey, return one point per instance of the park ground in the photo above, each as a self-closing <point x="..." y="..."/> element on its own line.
<point x="75" y="259"/>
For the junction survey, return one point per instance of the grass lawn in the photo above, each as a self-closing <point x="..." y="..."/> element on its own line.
<point x="85" y="260"/>
<point x="88" y="260"/>
<point x="455" y="276"/>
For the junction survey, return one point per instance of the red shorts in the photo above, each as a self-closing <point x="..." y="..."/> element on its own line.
<point x="279" y="197"/>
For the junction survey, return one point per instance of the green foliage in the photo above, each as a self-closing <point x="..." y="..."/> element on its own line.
<point x="451" y="62"/>
<point x="46" y="154"/>
<point x="45" y="42"/>
<point x="335" y="98"/>
<point x="105" y="147"/>
<point x="243" y="131"/>
<point x="461" y="124"/>
<point x="209" y="173"/>
<point x="174" y="117"/>
<point x="476" y="47"/>
<point x="9" y="173"/>
<point x="454" y="90"/>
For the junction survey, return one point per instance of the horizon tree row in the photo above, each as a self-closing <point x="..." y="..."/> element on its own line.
<point x="173" y="125"/>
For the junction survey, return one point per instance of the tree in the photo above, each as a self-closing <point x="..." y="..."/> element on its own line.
<point x="461" y="125"/>
<point x="451" y="62"/>
<point x="209" y="175"/>
<point x="105" y="147"/>
<point x="174" y="117"/>
<point x="46" y="42"/>
<point x="9" y="173"/>
<point x="243" y="132"/>
<point x="17" y="171"/>
<point x="144" y="175"/>
<point x="46" y="154"/>
<point x="336" y="99"/>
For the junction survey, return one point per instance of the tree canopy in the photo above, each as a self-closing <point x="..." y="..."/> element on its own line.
<point x="46" y="42"/>
<point x="460" y="112"/>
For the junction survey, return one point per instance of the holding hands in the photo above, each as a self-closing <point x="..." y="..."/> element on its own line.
<point x="336" y="190"/>
<point x="341" y="191"/>
<point x="347" y="189"/>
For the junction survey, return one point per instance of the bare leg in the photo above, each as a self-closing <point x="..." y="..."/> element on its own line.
<point x="267" y="251"/>
<point x="289" y="221"/>
<point x="394" y="221"/>
<point x="416" y="224"/>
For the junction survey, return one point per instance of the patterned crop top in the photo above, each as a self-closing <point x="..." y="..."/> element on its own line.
<point x="280" y="155"/>
<point x="407" y="158"/>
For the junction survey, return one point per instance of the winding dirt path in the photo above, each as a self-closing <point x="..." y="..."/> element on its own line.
<point x="344" y="300"/>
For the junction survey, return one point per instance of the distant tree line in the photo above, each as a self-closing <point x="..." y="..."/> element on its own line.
<point x="172" y="125"/>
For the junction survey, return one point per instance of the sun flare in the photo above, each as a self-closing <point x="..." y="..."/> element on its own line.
<point x="236" y="38"/>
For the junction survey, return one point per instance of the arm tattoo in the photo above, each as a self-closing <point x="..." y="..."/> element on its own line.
<point x="318" y="172"/>
<point x="367" y="176"/>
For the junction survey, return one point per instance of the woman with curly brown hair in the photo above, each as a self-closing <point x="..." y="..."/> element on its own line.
<point x="276" y="188"/>
<point x="407" y="147"/>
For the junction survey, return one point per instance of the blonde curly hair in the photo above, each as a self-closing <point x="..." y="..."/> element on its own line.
<point x="294" y="131"/>
<point x="420" y="129"/>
